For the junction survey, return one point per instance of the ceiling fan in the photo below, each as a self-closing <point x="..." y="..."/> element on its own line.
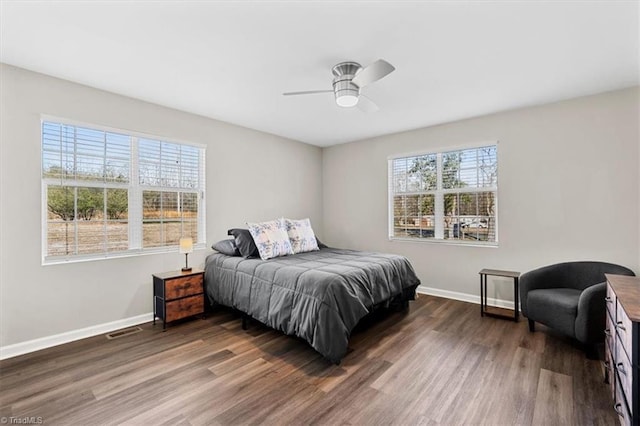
<point x="350" y="77"/>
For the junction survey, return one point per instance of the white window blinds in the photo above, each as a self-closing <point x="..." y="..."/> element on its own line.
<point x="108" y="192"/>
<point x="449" y="195"/>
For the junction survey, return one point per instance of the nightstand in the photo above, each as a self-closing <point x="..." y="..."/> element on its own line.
<point x="177" y="295"/>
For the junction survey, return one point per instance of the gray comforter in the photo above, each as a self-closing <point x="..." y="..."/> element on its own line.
<point x="318" y="296"/>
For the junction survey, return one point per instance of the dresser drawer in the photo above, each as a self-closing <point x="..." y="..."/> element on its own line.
<point x="624" y="327"/>
<point x="610" y="334"/>
<point x="183" y="286"/>
<point x="185" y="307"/>
<point x="621" y="408"/>
<point x="611" y="302"/>
<point x="623" y="368"/>
<point x="609" y="370"/>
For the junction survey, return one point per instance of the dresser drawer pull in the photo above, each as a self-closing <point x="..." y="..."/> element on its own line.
<point x="618" y="408"/>
<point x="620" y="326"/>
<point x="608" y="299"/>
<point x="620" y="368"/>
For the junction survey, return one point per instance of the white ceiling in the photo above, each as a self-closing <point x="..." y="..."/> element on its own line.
<point x="232" y="60"/>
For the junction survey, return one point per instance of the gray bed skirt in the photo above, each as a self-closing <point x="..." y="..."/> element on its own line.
<point x="319" y="296"/>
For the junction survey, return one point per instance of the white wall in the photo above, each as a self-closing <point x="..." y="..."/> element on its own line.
<point x="568" y="190"/>
<point x="568" y="175"/>
<point x="249" y="178"/>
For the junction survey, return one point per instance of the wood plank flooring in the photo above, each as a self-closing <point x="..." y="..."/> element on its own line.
<point x="440" y="363"/>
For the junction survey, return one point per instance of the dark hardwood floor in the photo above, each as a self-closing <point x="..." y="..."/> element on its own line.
<point x="440" y="363"/>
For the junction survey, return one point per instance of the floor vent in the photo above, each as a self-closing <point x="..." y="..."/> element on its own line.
<point x="123" y="332"/>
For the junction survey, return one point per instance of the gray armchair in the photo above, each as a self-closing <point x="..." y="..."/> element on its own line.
<point x="569" y="297"/>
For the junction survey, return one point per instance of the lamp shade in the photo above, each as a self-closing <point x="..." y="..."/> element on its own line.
<point x="186" y="245"/>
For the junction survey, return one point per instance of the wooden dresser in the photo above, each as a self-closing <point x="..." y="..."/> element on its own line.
<point x="622" y="347"/>
<point x="177" y="295"/>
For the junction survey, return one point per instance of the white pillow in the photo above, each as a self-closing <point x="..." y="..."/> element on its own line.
<point x="271" y="238"/>
<point x="301" y="234"/>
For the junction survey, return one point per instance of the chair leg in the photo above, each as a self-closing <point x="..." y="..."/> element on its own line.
<point x="591" y="351"/>
<point x="532" y="326"/>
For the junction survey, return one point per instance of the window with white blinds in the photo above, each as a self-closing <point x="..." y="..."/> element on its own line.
<point x="445" y="196"/>
<point x="109" y="193"/>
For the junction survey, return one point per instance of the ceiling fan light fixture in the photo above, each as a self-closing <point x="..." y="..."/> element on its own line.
<point x="346" y="92"/>
<point x="349" y="78"/>
<point x="347" y="100"/>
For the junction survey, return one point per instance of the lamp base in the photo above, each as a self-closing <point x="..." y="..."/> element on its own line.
<point x="186" y="269"/>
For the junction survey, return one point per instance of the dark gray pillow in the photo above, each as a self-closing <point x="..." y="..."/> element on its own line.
<point x="244" y="242"/>
<point x="227" y="247"/>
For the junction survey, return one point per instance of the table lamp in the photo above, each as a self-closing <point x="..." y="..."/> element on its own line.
<point x="186" y="247"/>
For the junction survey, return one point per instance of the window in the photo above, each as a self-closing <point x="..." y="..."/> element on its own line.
<point x="109" y="193"/>
<point x="445" y="196"/>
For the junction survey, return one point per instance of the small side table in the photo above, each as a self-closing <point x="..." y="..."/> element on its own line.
<point x="483" y="293"/>
<point x="177" y="295"/>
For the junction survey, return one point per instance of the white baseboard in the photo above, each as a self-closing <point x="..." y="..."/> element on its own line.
<point x="464" y="297"/>
<point x="70" y="336"/>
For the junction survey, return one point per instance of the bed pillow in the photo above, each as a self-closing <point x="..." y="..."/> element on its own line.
<point x="244" y="242"/>
<point x="227" y="247"/>
<point x="271" y="238"/>
<point x="301" y="235"/>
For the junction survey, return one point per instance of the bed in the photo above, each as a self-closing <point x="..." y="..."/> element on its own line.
<point x="319" y="296"/>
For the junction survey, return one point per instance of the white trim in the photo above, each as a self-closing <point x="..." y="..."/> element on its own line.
<point x="120" y="131"/>
<point x="71" y="336"/>
<point x="451" y="242"/>
<point x="438" y="193"/>
<point x="464" y="297"/>
<point x="134" y="188"/>
<point x="456" y="147"/>
<point x="117" y="254"/>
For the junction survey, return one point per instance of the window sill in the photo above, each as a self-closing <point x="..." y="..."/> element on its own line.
<point x="444" y="242"/>
<point x="117" y="255"/>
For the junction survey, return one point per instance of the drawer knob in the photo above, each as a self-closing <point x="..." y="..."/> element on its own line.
<point x="620" y="368"/>
<point x="618" y="408"/>
<point x="608" y="299"/>
<point x="620" y="326"/>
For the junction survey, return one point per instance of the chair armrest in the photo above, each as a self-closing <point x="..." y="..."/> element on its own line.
<point x="590" y="321"/>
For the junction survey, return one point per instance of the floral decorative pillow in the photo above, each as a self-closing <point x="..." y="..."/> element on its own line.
<point x="301" y="235"/>
<point x="271" y="238"/>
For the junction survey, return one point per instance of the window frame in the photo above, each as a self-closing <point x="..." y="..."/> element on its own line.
<point x="439" y="193"/>
<point x="135" y="190"/>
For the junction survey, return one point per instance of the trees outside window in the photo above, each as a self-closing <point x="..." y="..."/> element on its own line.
<point x="107" y="192"/>
<point x="449" y="195"/>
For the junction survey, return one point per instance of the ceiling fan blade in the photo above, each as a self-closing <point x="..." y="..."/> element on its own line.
<point x="308" y="92"/>
<point x="366" y="105"/>
<point x="373" y="72"/>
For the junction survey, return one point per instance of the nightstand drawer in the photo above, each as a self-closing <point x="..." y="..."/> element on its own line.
<point x="185" y="307"/>
<point x="183" y="286"/>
